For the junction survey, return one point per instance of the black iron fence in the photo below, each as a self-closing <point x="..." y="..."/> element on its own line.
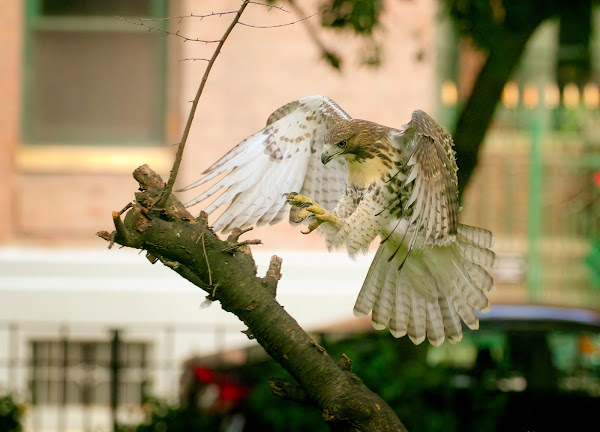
<point x="94" y="376"/>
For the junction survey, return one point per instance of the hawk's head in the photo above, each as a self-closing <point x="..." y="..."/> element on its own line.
<point x="355" y="140"/>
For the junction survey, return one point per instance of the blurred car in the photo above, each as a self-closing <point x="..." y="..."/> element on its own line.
<point x="539" y="364"/>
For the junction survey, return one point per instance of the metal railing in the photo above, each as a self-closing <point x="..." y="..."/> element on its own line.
<point x="80" y="401"/>
<point x="537" y="187"/>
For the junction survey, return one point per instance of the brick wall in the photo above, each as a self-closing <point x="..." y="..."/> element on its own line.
<point x="261" y="70"/>
<point x="258" y="70"/>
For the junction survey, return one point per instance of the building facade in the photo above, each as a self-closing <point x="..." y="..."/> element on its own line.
<point x="88" y="97"/>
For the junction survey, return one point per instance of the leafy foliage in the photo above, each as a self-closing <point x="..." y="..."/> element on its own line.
<point x="361" y="16"/>
<point x="11" y="414"/>
<point x="422" y="395"/>
<point x="162" y="416"/>
<point x="490" y="22"/>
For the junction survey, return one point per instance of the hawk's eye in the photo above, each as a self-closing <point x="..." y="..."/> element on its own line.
<point x="342" y="143"/>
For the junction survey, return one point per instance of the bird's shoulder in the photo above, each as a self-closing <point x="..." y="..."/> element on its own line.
<point x="316" y="109"/>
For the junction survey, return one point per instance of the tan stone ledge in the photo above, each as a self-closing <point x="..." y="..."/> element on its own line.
<point x="90" y="160"/>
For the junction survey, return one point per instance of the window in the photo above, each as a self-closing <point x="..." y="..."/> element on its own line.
<point x="79" y="372"/>
<point x="90" y="78"/>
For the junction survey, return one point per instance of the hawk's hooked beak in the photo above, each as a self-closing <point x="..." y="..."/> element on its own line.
<point x="327" y="155"/>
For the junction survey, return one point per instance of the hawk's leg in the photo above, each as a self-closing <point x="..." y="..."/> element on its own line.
<point x="310" y="208"/>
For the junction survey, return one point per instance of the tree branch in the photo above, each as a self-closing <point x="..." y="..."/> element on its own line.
<point x="278" y="25"/>
<point x="172" y="236"/>
<point x="158" y="223"/>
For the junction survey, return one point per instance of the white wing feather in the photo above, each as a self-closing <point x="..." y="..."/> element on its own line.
<point x="281" y="158"/>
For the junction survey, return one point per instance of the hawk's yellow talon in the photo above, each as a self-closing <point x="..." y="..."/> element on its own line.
<point x="327" y="217"/>
<point x="312" y="226"/>
<point x="303" y="213"/>
<point x="309" y="208"/>
<point x="297" y="199"/>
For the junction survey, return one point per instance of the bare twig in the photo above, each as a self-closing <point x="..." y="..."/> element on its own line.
<point x="270" y="6"/>
<point x="192" y="15"/>
<point x="207" y="263"/>
<point x="236" y="20"/>
<point x="120" y="228"/>
<point x="108" y="236"/>
<point x="236" y="233"/>
<point x="239" y="245"/>
<point x="193" y="59"/>
<point x="180" y="18"/>
<point x="177" y="162"/>
<point x="127" y="207"/>
<point x="278" y="25"/>
<point x="142" y="22"/>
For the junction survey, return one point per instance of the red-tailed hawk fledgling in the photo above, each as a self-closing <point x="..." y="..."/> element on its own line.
<point x="353" y="180"/>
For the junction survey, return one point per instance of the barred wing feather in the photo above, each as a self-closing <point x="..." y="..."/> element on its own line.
<point x="283" y="157"/>
<point x="430" y="168"/>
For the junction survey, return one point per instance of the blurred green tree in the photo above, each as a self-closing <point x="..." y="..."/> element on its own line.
<point x="421" y="394"/>
<point x="500" y="29"/>
<point x="11" y="414"/>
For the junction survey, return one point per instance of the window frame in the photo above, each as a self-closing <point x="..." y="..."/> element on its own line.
<point x="90" y="155"/>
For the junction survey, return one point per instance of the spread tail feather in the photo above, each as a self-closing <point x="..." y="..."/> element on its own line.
<point x="435" y="289"/>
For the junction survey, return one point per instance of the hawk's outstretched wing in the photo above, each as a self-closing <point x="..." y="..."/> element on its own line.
<point x="430" y="167"/>
<point x="281" y="158"/>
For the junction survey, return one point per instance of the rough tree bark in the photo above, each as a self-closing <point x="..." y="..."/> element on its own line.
<point x="226" y="270"/>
